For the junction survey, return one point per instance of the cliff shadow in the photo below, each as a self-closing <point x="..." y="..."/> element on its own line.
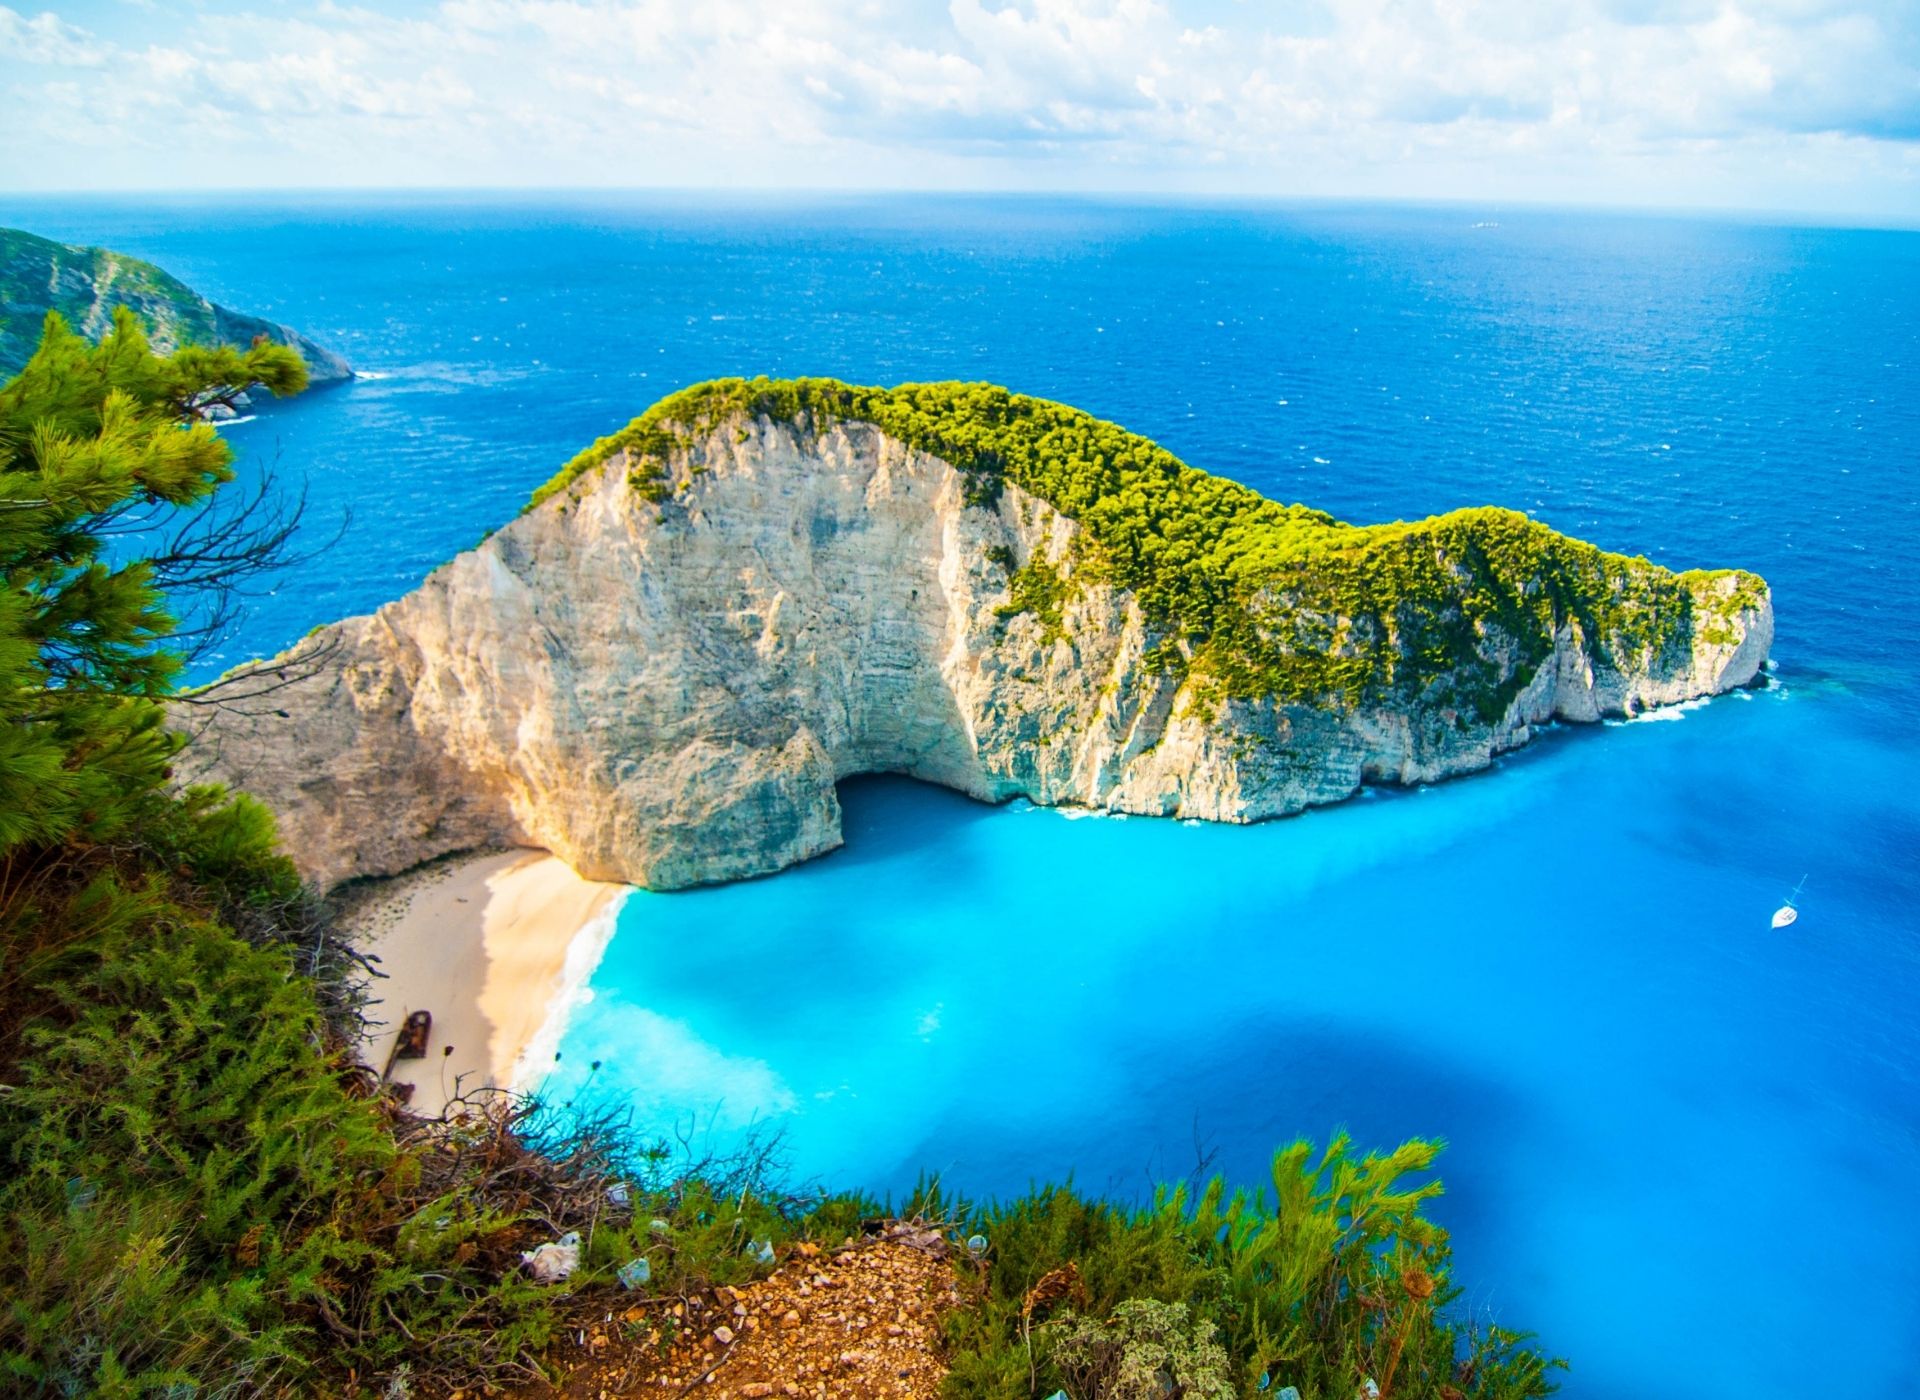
<point x="1185" y="1110"/>
<point x="885" y="816"/>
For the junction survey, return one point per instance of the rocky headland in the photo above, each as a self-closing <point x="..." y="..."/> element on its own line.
<point x="662" y="668"/>
<point x="38" y="275"/>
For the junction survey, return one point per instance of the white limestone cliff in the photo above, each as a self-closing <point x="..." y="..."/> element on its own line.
<point x="667" y="693"/>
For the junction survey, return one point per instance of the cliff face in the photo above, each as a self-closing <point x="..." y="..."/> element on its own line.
<point x="84" y="285"/>
<point x="663" y="687"/>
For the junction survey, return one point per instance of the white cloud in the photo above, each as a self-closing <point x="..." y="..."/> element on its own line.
<point x="1743" y="101"/>
<point x="47" y="39"/>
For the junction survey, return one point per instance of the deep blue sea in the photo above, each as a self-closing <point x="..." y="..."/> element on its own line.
<point x="1683" y="1147"/>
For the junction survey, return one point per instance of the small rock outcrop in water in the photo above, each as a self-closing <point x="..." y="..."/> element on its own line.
<point x="661" y="670"/>
<point x="84" y="285"/>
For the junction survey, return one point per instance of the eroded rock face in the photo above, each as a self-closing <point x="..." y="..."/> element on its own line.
<point x="666" y="694"/>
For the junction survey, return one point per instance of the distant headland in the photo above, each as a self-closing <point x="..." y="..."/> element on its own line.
<point x="38" y="275"/>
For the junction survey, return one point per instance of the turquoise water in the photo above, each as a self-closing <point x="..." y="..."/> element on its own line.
<point x="1682" y="1146"/>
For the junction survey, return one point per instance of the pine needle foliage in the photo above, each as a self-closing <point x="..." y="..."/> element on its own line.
<point x="197" y="1197"/>
<point x="1262" y="600"/>
<point x="86" y="430"/>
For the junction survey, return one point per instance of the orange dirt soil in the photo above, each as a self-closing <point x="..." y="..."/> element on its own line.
<point x="862" y="1320"/>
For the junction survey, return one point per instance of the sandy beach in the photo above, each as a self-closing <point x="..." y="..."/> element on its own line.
<point x="492" y="944"/>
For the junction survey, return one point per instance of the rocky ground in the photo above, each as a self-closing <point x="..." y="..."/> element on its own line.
<point x="862" y="1320"/>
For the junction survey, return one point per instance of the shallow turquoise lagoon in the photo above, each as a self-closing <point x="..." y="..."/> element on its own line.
<point x="1664" y="1117"/>
<point x="1684" y="1148"/>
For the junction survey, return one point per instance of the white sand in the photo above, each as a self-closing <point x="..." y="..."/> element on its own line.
<point x="496" y="946"/>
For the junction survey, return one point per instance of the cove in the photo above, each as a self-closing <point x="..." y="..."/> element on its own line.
<point x="1562" y="967"/>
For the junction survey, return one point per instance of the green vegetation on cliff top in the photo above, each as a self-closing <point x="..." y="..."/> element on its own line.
<point x="1259" y="598"/>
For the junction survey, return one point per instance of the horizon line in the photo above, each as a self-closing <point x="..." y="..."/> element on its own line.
<point x="1853" y="220"/>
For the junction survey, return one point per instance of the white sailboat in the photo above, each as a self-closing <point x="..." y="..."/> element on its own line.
<point x="1788" y="912"/>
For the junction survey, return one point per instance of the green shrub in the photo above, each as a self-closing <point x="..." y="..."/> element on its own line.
<point x="197" y="1189"/>
<point x="1038" y="589"/>
<point x="1334" y="1278"/>
<point x="199" y="1195"/>
<point x="706" y="1222"/>
<point x="1146" y="1351"/>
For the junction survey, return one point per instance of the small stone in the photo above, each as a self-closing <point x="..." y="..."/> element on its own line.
<point x="790" y="1318"/>
<point x="723" y="1335"/>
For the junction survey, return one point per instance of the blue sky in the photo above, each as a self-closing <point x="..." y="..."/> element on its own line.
<point x="1807" y="106"/>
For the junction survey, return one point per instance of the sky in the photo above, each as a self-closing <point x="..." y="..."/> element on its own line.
<point x="1803" y="106"/>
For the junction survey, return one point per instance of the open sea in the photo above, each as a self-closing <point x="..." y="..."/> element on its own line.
<point x="1683" y="1147"/>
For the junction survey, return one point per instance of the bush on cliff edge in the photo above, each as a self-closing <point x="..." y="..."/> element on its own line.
<point x="199" y="1195"/>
